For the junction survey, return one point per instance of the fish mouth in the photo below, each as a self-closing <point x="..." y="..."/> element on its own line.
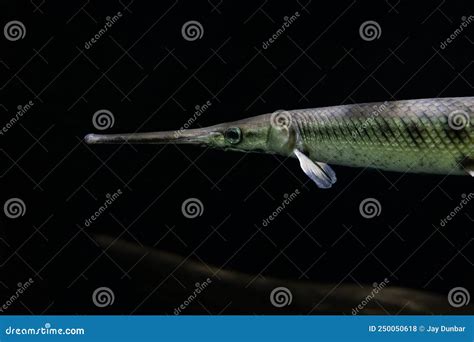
<point x="198" y="136"/>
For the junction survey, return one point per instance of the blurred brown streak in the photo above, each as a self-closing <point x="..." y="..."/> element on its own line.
<point x="248" y="293"/>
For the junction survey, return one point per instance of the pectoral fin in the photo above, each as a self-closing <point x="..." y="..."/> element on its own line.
<point x="468" y="165"/>
<point x="320" y="173"/>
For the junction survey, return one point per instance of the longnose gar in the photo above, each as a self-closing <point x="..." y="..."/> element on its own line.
<point x="420" y="136"/>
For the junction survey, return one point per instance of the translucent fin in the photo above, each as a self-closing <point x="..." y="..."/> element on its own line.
<point x="468" y="165"/>
<point x="320" y="173"/>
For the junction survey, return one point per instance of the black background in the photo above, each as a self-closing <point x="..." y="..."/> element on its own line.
<point x="151" y="79"/>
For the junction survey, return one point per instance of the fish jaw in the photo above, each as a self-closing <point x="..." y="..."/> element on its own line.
<point x="247" y="135"/>
<point x="200" y="136"/>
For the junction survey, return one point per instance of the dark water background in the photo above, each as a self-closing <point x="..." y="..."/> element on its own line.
<point x="150" y="78"/>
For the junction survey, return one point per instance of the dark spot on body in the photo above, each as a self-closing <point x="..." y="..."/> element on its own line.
<point x="416" y="133"/>
<point x="456" y="136"/>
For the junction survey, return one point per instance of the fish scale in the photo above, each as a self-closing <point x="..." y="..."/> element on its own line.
<point x="401" y="135"/>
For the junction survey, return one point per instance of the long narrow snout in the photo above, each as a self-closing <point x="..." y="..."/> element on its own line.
<point x="198" y="136"/>
<point x="247" y="135"/>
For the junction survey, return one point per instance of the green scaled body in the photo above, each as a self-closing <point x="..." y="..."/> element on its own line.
<point x="427" y="135"/>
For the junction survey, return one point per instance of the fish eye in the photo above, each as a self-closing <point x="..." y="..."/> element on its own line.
<point x="233" y="135"/>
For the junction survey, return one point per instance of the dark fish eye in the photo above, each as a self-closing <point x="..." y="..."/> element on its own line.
<point x="233" y="135"/>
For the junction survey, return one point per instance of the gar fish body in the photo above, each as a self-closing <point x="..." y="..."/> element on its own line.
<point x="420" y="136"/>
